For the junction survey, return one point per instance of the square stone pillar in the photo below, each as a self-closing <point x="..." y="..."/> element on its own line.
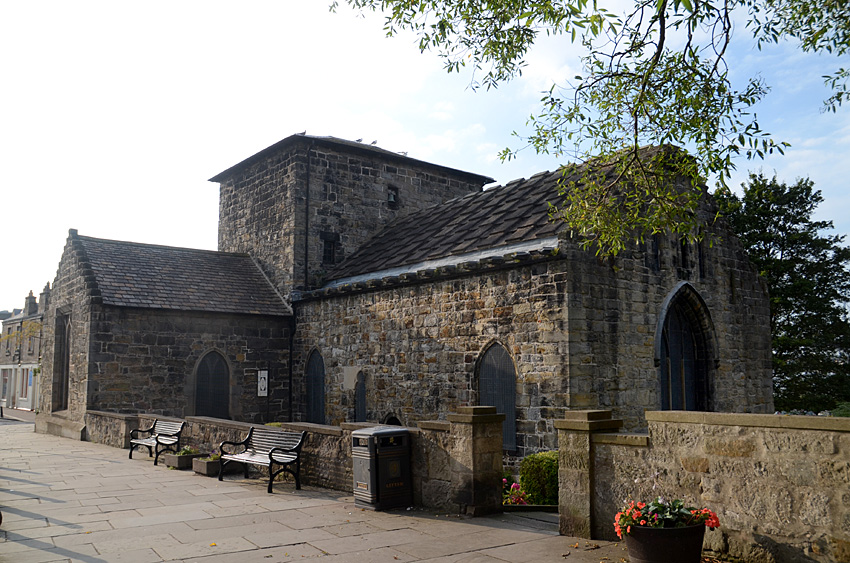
<point x="575" y="468"/>
<point x="475" y="448"/>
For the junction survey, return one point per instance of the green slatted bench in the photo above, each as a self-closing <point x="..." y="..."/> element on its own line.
<point x="163" y="436"/>
<point x="266" y="447"/>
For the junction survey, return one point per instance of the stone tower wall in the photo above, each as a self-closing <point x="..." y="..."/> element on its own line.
<point x="257" y="216"/>
<point x="262" y="209"/>
<point x="350" y="200"/>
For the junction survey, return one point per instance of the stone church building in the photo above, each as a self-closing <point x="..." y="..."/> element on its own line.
<point x="369" y="286"/>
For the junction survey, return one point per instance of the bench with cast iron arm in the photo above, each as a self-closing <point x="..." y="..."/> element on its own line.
<point x="268" y="448"/>
<point x="162" y="437"/>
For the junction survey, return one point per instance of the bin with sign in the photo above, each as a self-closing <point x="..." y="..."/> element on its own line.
<point x="381" y="463"/>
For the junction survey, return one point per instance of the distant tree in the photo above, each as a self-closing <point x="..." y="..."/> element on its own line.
<point x="656" y="72"/>
<point x="809" y="280"/>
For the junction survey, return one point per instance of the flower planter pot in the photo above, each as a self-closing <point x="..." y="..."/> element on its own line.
<point x="181" y="461"/>
<point x="208" y="467"/>
<point x="665" y="545"/>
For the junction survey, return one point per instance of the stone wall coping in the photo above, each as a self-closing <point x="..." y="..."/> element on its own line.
<point x="475" y="418"/>
<point x="796" y="422"/>
<point x="150" y="416"/>
<point x="118" y="415"/>
<point x="438" y="425"/>
<point x="308" y="427"/>
<point x="617" y="439"/>
<point x="222" y="422"/>
<point x="588" y="415"/>
<point x="588" y="425"/>
<point x="357" y="425"/>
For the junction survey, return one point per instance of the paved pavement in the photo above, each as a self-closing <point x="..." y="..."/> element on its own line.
<point x="63" y="500"/>
<point x="19" y="415"/>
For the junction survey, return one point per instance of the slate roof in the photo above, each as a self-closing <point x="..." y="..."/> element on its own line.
<point x="131" y="274"/>
<point x="514" y="213"/>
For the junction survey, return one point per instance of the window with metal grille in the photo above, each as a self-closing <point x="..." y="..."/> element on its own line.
<point x="497" y="388"/>
<point x="316" y="388"/>
<point x="212" y="387"/>
<point x="360" y="398"/>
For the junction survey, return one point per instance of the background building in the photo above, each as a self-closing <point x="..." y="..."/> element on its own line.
<point x="20" y="353"/>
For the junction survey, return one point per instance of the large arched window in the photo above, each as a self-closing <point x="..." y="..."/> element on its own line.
<point x="316" y="388"/>
<point x="212" y="387"/>
<point x="685" y="353"/>
<point x="497" y="388"/>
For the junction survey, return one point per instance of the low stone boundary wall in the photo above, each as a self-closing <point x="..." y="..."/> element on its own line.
<point x="456" y="464"/>
<point x="780" y="484"/>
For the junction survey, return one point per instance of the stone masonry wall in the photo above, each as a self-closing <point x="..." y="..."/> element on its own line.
<point x="257" y="216"/>
<point x="616" y="309"/>
<point x="582" y="333"/>
<point x="262" y="206"/>
<point x="418" y="345"/>
<point x="779" y="484"/>
<point x="71" y="296"/>
<point x="142" y="360"/>
<point x="145" y="360"/>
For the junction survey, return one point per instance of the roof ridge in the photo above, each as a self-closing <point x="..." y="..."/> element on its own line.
<point x="163" y="246"/>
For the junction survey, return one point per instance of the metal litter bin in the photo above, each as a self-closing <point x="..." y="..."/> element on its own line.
<point x="381" y="460"/>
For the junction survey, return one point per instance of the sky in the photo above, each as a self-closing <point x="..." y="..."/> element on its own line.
<point x="114" y="115"/>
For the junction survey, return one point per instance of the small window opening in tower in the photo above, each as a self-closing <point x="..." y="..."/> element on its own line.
<point x="328" y="252"/>
<point x="330" y="247"/>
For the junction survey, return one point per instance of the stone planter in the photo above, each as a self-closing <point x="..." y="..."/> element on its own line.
<point x="181" y="461"/>
<point x="208" y="467"/>
<point x="663" y="545"/>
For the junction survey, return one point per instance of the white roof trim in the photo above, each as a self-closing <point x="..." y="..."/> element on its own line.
<point x="529" y="246"/>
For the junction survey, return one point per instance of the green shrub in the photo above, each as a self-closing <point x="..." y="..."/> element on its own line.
<point x="843" y="409"/>
<point x="274" y="424"/>
<point x="186" y="450"/>
<point x="538" y="476"/>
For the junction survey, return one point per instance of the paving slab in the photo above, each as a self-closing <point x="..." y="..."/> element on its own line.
<point x="80" y="502"/>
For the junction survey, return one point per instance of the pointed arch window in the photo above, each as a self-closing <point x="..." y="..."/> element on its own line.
<point x="316" y="388"/>
<point x="497" y="388"/>
<point x="212" y="387"/>
<point x="685" y="352"/>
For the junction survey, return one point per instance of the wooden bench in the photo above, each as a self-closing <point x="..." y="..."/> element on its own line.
<point x="162" y="437"/>
<point x="267" y="447"/>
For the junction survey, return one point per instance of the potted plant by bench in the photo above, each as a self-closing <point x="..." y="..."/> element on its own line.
<point x="208" y="466"/>
<point x="183" y="458"/>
